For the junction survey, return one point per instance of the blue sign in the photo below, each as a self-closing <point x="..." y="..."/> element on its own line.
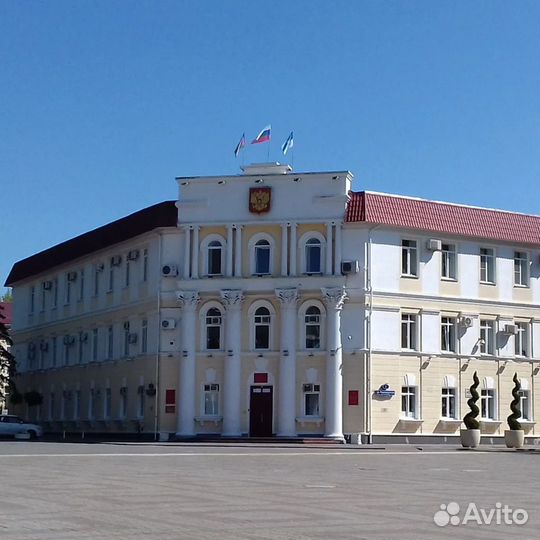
<point x="384" y="391"/>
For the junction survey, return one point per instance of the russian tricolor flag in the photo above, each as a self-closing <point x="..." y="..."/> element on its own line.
<point x="263" y="136"/>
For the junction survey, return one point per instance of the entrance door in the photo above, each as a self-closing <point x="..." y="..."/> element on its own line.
<point x="260" y="415"/>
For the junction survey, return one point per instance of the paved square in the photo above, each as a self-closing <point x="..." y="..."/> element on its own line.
<point x="54" y="491"/>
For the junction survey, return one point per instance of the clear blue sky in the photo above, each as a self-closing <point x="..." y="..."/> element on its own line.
<point x="103" y="103"/>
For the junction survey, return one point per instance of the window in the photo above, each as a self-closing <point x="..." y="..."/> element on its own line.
<point x="448" y="261"/>
<point x="107" y="403"/>
<point x="67" y="290"/>
<point x="32" y="300"/>
<point x="110" y="342"/>
<point x="82" y="339"/>
<point x="262" y="328"/>
<point x="521" y="269"/>
<point x="43" y="297"/>
<point x="313" y="253"/>
<point x="211" y="399"/>
<point x="448" y="409"/>
<point x="409" y="258"/>
<point x="145" y="265"/>
<point x="215" y="252"/>
<point x="122" y="413"/>
<point x="213" y="329"/>
<point x="408" y="401"/>
<point x="448" y="334"/>
<point x="312" y="321"/>
<point x="97" y="272"/>
<point x="54" y="350"/>
<point x="144" y="336"/>
<point x="127" y="273"/>
<point x="126" y="338"/>
<point x="81" y="285"/>
<point x="51" y="406"/>
<point x="487" y="404"/>
<point x="262" y="257"/>
<point x="487" y="337"/>
<point x="408" y="331"/>
<point x="312" y="394"/>
<point x="487" y="265"/>
<point x="54" y="302"/>
<point x="140" y="401"/>
<point x="94" y="344"/>
<point x="67" y="350"/>
<point x="521" y="340"/>
<point x="92" y="404"/>
<point x="77" y="405"/>
<point x="525" y="402"/>
<point x="111" y="277"/>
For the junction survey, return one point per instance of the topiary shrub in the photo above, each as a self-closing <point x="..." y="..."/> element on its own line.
<point x="513" y="422"/>
<point x="469" y="419"/>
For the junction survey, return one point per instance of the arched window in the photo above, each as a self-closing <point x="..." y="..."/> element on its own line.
<point x="313" y="253"/>
<point x="262" y="257"/>
<point x="214" y="258"/>
<point x="312" y="321"/>
<point x="262" y="328"/>
<point x="213" y="323"/>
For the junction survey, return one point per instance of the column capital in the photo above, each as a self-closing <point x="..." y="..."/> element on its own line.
<point x="334" y="297"/>
<point x="232" y="298"/>
<point x="188" y="299"/>
<point x="287" y="297"/>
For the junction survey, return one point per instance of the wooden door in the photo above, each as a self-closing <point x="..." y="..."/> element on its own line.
<point x="260" y="411"/>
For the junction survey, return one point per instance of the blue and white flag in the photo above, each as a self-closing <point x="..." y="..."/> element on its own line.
<point x="289" y="143"/>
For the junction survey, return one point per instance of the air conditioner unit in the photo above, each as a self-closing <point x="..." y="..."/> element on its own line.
<point x="133" y="255"/>
<point x="467" y="322"/>
<point x="168" y="270"/>
<point x="72" y="276"/>
<point x="126" y="325"/>
<point x="100" y="267"/>
<point x="168" y="324"/>
<point x="510" y="329"/>
<point x="69" y="340"/>
<point x="132" y="338"/>
<point x="434" y="245"/>
<point x="116" y="260"/>
<point x="44" y="346"/>
<point x="349" y="267"/>
<point x="83" y="337"/>
<point x="47" y="285"/>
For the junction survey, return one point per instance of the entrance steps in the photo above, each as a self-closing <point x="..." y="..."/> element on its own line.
<point x="261" y="440"/>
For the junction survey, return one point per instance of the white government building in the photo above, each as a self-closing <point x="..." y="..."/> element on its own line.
<point x="277" y="303"/>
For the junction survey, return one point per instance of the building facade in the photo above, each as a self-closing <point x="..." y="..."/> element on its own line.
<point x="276" y="303"/>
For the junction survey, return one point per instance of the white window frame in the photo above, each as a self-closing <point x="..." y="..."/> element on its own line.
<point x="410" y="321"/>
<point x="95" y="344"/>
<point x="110" y="342"/>
<point x="211" y="389"/>
<point x="448" y="397"/>
<point x="302" y="324"/>
<point x="144" y="268"/>
<point x="251" y="317"/>
<point x="96" y="281"/>
<point x="302" y="245"/>
<point x="525" y="403"/>
<point x="204" y="325"/>
<point x="80" y="296"/>
<point x="409" y="405"/>
<point x="449" y="322"/>
<point x="126" y="328"/>
<point x="205" y="247"/>
<point x="67" y="290"/>
<point x="311" y="389"/>
<point x="409" y="260"/>
<point x="144" y="336"/>
<point x="141" y="401"/>
<point x="522" y="339"/>
<point x="488" y="403"/>
<point x="521" y="269"/>
<point x="127" y="273"/>
<point x="488" y="260"/>
<point x="252" y="248"/>
<point x="487" y="337"/>
<point x="449" y="260"/>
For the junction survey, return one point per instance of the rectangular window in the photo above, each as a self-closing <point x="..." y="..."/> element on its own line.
<point x="448" y="409"/>
<point x="408" y="401"/>
<point x="487" y="265"/>
<point x="525" y="404"/>
<point x="127" y="273"/>
<point x="123" y="402"/>
<point x="409" y="258"/>
<point x="312" y="320"/>
<point x="54" y="350"/>
<point x="81" y="285"/>
<point x="408" y="331"/>
<point x="67" y="353"/>
<point x="92" y="404"/>
<point x="521" y="269"/>
<point x="77" y="405"/>
<point x="214" y="259"/>
<point x="144" y="336"/>
<point x="448" y="334"/>
<point x="312" y="394"/>
<point x="32" y="300"/>
<point x="110" y="342"/>
<point x="82" y="339"/>
<point x="487" y="404"/>
<point x="97" y="273"/>
<point x="145" y="265"/>
<point x="521" y="340"/>
<point x="43" y="297"/>
<point x="95" y="344"/>
<point x="111" y="277"/>
<point x="51" y="406"/>
<point x="448" y="261"/>
<point x="487" y="337"/>
<point x="67" y="290"/>
<point x="107" y="403"/>
<point x="126" y="338"/>
<point x="54" y="301"/>
<point x="140" y="401"/>
<point x="262" y="336"/>
<point x="211" y="399"/>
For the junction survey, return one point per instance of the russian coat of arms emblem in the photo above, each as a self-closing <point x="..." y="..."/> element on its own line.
<point x="259" y="200"/>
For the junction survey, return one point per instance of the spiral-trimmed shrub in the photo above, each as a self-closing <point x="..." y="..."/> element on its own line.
<point x="470" y="418"/>
<point x="513" y="422"/>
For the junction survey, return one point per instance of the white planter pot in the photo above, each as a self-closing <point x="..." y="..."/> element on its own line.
<point x="470" y="438"/>
<point x="514" y="438"/>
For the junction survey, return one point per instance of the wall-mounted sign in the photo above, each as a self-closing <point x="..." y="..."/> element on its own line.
<point x="259" y="200"/>
<point x="384" y="391"/>
<point x="170" y="401"/>
<point x="353" y="397"/>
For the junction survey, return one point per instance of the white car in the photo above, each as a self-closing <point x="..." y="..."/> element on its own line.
<point x="11" y="426"/>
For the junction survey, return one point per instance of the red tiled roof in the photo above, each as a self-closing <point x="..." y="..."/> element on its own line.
<point x="164" y="214"/>
<point x="452" y="219"/>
